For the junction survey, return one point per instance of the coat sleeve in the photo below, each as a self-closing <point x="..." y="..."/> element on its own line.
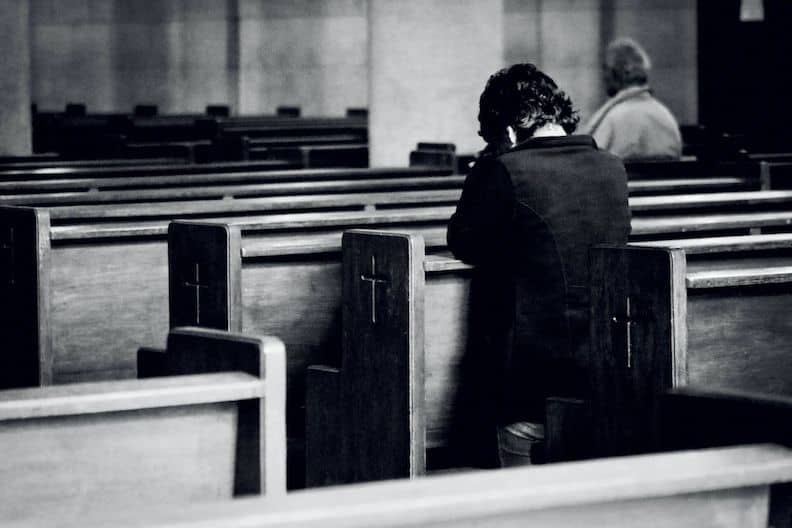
<point x="479" y="230"/>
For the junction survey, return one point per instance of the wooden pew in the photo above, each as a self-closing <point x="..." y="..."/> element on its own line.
<point x="54" y="189"/>
<point x="306" y="313"/>
<point x="34" y="164"/>
<point x="100" y="184"/>
<point x="212" y="428"/>
<point x="726" y="487"/>
<point x="216" y="191"/>
<point x="68" y="289"/>
<point x="317" y="156"/>
<point x="413" y="351"/>
<point x="142" y="170"/>
<point x="696" y="418"/>
<point x="673" y="315"/>
<point x="115" y="273"/>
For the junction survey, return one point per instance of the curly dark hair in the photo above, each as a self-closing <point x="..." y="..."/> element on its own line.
<point x="525" y="98"/>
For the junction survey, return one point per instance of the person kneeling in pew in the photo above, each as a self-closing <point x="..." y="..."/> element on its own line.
<point x="534" y="203"/>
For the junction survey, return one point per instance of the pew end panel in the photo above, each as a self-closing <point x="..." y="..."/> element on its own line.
<point x="638" y="302"/>
<point x="263" y="422"/>
<point x="204" y="275"/>
<point x="386" y="429"/>
<point x="192" y="350"/>
<point x="25" y="297"/>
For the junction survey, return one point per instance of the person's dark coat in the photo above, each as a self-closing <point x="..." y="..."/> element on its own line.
<point x="526" y="219"/>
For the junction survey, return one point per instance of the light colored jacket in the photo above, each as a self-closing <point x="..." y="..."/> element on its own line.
<point x="634" y="125"/>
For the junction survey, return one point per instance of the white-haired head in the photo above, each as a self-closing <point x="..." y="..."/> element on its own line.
<point x="626" y="64"/>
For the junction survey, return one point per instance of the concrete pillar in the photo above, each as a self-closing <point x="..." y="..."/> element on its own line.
<point x="429" y="61"/>
<point x="15" y="123"/>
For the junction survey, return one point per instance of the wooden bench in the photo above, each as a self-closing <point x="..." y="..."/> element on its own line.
<point x="253" y="176"/>
<point x="142" y="170"/>
<point x="213" y="428"/>
<point x="68" y="289"/>
<point x="35" y="164"/>
<point x="113" y="274"/>
<point x="317" y="156"/>
<point x="728" y="487"/>
<point x="229" y="192"/>
<point x="671" y="315"/>
<point x="413" y="350"/>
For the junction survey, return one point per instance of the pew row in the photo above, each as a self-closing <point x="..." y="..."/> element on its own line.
<point x="213" y="428"/>
<point x="230" y="192"/>
<point x="94" y="278"/>
<point x="672" y="316"/>
<point x="725" y="487"/>
<point x="66" y="290"/>
<point x="87" y="192"/>
<point x="207" y="178"/>
<point x="405" y="332"/>
<point x="144" y="170"/>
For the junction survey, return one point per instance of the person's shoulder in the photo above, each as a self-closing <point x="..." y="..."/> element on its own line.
<point x="606" y="160"/>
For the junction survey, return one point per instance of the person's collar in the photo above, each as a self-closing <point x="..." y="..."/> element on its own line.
<point x="630" y="91"/>
<point x="555" y="141"/>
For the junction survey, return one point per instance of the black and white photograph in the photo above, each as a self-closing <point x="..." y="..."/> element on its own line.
<point x="395" y="263"/>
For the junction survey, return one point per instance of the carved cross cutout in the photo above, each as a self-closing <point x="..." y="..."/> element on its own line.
<point x="9" y="255"/>
<point x="196" y="284"/>
<point x="627" y="320"/>
<point x="374" y="280"/>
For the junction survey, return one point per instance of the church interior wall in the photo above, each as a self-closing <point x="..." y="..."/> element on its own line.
<point x="260" y="54"/>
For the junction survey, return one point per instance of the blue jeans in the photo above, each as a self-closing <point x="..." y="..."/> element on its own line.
<point x="521" y="444"/>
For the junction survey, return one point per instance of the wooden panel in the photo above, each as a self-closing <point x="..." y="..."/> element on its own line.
<point x="738" y="338"/>
<point x="69" y="465"/>
<point x="106" y="293"/>
<point x="299" y="300"/>
<point x="324" y="438"/>
<point x="567" y="429"/>
<point x="24" y="290"/>
<point x="204" y="275"/>
<point x="262" y="423"/>
<point x="637" y="298"/>
<point x="382" y="342"/>
<point x="446" y="313"/>
<point x="247" y="205"/>
<point x="724" y="488"/>
<point x="82" y="196"/>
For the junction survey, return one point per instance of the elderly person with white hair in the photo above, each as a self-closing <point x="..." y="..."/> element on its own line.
<point x="632" y="124"/>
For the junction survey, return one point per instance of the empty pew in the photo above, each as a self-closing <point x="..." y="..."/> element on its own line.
<point x="318" y="156"/>
<point x="726" y="487"/>
<point x="673" y="315"/>
<point x="696" y="418"/>
<point x="142" y="170"/>
<point x="35" y="164"/>
<point x="253" y="176"/>
<point x="232" y="191"/>
<point x="67" y="289"/>
<point x="211" y="427"/>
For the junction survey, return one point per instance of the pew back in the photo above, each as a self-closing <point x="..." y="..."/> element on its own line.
<point x="726" y="487"/>
<point x="213" y="428"/>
